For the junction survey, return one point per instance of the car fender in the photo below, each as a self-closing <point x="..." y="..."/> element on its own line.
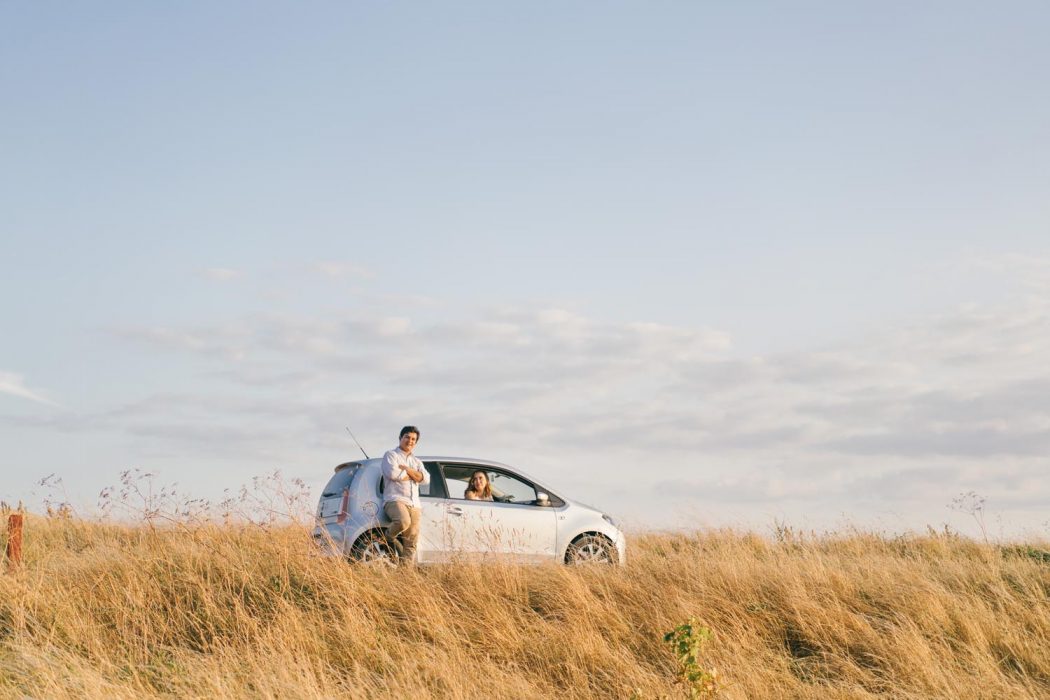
<point x="575" y="521"/>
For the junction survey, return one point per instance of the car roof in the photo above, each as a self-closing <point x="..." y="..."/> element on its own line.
<point x="429" y="458"/>
<point x="471" y="460"/>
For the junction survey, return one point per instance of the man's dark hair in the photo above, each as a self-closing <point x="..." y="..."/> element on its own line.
<point x="409" y="429"/>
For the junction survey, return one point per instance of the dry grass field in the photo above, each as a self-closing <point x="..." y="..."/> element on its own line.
<point x="111" y="611"/>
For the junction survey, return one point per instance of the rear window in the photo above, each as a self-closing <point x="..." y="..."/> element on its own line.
<point x="341" y="479"/>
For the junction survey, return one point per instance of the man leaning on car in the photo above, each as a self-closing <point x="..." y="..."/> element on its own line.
<point x="403" y="474"/>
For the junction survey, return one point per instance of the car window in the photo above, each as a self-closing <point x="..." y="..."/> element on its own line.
<point x="511" y="489"/>
<point x="435" y="489"/>
<point x="340" y="480"/>
<point x="458" y="479"/>
<point x="506" y="488"/>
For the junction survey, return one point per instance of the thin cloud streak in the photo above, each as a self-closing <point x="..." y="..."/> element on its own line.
<point x="341" y="269"/>
<point x="14" y="385"/>
<point x="221" y="274"/>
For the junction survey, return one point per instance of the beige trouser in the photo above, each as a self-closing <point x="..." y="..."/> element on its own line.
<point x="404" y="523"/>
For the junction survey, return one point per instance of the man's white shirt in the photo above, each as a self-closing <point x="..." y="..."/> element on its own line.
<point x="398" y="486"/>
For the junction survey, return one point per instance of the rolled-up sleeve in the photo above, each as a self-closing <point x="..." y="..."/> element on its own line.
<point x="426" y="473"/>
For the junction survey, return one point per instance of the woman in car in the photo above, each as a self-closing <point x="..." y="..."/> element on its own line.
<point x="480" y="489"/>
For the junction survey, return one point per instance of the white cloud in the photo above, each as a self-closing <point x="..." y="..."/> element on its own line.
<point x="13" y="385"/>
<point x="337" y="269"/>
<point x="232" y="341"/>
<point x="952" y="385"/>
<point x="220" y="274"/>
<point x="1032" y="271"/>
<point x="394" y="326"/>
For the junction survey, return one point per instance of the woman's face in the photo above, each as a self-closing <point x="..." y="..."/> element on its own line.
<point x="478" y="481"/>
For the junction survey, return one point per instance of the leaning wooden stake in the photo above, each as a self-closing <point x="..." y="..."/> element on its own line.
<point x="14" y="540"/>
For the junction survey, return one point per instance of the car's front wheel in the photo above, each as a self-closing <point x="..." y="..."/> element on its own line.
<point x="373" y="548"/>
<point x="591" y="549"/>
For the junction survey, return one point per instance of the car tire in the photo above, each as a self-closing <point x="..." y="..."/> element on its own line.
<point x="590" y="549"/>
<point x="373" y="548"/>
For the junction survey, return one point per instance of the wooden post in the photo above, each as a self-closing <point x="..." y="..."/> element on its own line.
<point x="14" y="540"/>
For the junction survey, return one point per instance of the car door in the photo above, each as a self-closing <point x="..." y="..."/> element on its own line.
<point x="512" y="525"/>
<point x="432" y="545"/>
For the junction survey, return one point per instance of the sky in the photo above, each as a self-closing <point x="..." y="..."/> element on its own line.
<point x="700" y="264"/>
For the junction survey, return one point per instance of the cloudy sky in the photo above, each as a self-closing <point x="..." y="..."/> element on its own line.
<point x="696" y="263"/>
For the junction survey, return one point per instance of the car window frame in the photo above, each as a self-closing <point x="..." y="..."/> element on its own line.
<point x="437" y="477"/>
<point x="487" y="468"/>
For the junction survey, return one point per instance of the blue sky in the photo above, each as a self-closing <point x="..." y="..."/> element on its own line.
<point x="785" y="260"/>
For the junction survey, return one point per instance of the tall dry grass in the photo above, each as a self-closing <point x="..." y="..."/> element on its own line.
<point x="103" y="610"/>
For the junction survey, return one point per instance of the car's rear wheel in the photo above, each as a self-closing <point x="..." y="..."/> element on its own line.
<point x="373" y="548"/>
<point x="591" y="549"/>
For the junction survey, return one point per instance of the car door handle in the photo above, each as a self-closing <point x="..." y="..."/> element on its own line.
<point x="455" y="510"/>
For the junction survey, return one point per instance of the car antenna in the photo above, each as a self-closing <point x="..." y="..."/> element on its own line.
<point x="357" y="443"/>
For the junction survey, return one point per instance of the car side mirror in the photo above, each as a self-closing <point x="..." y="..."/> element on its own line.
<point x="543" y="499"/>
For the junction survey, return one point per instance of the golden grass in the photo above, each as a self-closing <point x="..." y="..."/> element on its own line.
<point x="110" y="611"/>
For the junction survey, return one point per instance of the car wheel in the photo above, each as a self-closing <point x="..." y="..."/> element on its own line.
<point x="373" y="548"/>
<point x="591" y="549"/>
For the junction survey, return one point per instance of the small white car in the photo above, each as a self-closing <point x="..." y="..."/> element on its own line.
<point x="525" y="521"/>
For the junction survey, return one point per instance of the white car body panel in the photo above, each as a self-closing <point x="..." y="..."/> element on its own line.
<point x="432" y="545"/>
<point x="519" y="531"/>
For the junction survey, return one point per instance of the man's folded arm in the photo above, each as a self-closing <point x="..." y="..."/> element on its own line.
<point x="392" y="471"/>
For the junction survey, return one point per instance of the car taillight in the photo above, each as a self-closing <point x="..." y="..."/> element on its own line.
<point x="343" y="506"/>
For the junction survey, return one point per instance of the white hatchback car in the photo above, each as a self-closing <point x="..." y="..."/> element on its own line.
<point x="524" y="521"/>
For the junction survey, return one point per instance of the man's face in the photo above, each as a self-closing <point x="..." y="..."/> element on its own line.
<point x="408" y="442"/>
